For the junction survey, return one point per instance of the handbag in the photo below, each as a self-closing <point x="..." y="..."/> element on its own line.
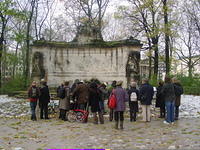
<point x="112" y="101"/>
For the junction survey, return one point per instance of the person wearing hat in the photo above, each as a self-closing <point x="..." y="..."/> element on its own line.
<point x="44" y="99"/>
<point x="146" y="96"/>
<point x="33" y="94"/>
<point x="121" y="97"/>
<point x="133" y="101"/>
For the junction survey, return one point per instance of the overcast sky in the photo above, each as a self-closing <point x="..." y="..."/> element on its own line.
<point x="111" y="8"/>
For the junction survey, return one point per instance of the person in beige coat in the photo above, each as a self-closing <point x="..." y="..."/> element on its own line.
<point x="64" y="104"/>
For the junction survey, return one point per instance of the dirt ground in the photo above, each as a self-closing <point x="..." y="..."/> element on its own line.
<point x="45" y="134"/>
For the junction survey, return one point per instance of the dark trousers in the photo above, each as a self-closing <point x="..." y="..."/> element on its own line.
<point x="176" y="112"/>
<point x="162" y="112"/>
<point x="44" y="110"/>
<point x="101" y="104"/>
<point x="99" y="117"/>
<point x="33" y="107"/>
<point x="119" y="115"/>
<point x="63" y="114"/>
<point x="133" y="114"/>
<point x="111" y="114"/>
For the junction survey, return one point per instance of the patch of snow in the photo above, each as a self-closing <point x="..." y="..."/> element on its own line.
<point x="190" y="106"/>
<point x="5" y="98"/>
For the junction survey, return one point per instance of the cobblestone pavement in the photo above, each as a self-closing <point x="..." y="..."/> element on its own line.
<point x="42" y="134"/>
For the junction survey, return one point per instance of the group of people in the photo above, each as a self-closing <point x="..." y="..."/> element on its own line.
<point x="93" y="94"/>
<point x="168" y="99"/>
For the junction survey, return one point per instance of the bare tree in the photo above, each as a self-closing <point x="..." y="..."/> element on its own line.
<point x="167" y="38"/>
<point x="188" y="51"/>
<point x="89" y="11"/>
<point x="145" y="15"/>
<point x="41" y="13"/>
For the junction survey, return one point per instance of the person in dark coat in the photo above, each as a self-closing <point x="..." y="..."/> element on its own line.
<point x="94" y="99"/>
<point x="133" y="101"/>
<point x="44" y="99"/>
<point x="110" y="91"/>
<point x="74" y="85"/>
<point x="104" y="94"/>
<point x="178" y="92"/>
<point x="81" y="94"/>
<point x="33" y="95"/>
<point x="146" y="96"/>
<point x="160" y="100"/>
<point x="169" y="97"/>
<point x="121" y="97"/>
<point x="64" y="103"/>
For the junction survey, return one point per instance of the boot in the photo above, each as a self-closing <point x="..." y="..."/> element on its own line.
<point x="31" y="117"/>
<point x="111" y="115"/>
<point x="116" y="124"/>
<point x="101" y="119"/>
<point x="95" y="118"/>
<point x="121" y="125"/>
<point x="34" y="118"/>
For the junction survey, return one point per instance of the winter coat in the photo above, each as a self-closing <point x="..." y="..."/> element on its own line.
<point x="65" y="102"/>
<point x="178" y="98"/>
<point x="44" y="95"/>
<point x="122" y="97"/>
<point x="133" y="105"/>
<point x="81" y="93"/>
<point x="30" y="94"/>
<point x="168" y="92"/>
<point x="104" y="93"/>
<point x="146" y="94"/>
<point x="159" y="98"/>
<point x="94" y="99"/>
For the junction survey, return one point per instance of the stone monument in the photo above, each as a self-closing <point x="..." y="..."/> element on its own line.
<point x="86" y="57"/>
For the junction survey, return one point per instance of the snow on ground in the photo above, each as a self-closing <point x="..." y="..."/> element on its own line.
<point x="5" y="98"/>
<point x="190" y="106"/>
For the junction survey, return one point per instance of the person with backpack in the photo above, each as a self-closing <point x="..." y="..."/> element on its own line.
<point x="64" y="102"/>
<point x="133" y="101"/>
<point x="33" y="95"/>
<point x="146" y="96"/>
<point x="121" y="97"/>
<point x="178" y="92"/>
<point x="44" y="99"/>
<point x="168" y="93"/>
<point x="160" y="100"/>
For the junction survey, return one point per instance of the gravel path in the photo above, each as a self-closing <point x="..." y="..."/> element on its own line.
<point x="42" y="134"/>
<point x="17" y="132"/>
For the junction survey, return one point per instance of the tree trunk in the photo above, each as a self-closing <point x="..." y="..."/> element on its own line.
<point x="4" y="22"/>
<point x="15" y="63"/>
<point x="27" y="70"/>
<point x="155" y="48"/>
<point x="167" y="60"/>
<point x="150" y="58"/>
<point x="190" y="67"/>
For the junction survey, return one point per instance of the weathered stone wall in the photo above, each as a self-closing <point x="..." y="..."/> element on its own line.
<point x="105" y="64"/>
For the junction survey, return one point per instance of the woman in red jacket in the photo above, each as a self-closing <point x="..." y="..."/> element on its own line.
<point x="33" y="95"/>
